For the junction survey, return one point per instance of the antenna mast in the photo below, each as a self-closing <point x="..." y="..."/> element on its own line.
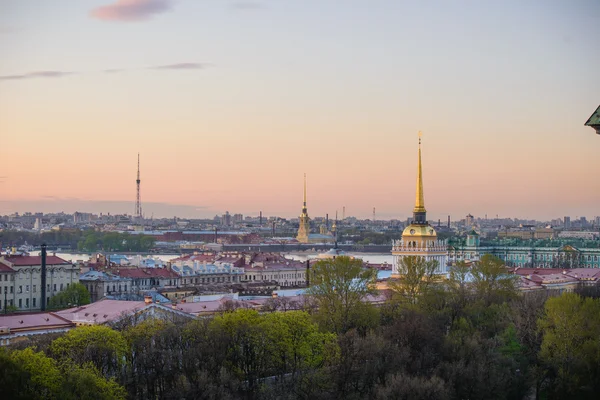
<point x="138" y="201"/>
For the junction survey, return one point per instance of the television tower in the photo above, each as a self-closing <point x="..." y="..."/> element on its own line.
<point x="138" y="201"/>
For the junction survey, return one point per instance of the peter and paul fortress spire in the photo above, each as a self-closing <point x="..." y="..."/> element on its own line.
<point x="304" y="220"/>
<point x="304" y="210"/>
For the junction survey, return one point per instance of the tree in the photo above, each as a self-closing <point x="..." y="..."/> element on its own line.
<point x="75" y="295"/>
<point x="100" y="345"/>
<point x="416" y="275"/>
<point x="86" y="383"/>
<point x="491" y="280"/>
<point x="297" y="342"/>
<point x="458" y="288"/>
<point x="340" y="286"/>
<point x="570" y="345"/>
<point x="27" y="374"/>
<point x="40" y="374"/>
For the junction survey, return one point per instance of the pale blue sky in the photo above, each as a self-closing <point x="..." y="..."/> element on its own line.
<point x="500" y="88"/>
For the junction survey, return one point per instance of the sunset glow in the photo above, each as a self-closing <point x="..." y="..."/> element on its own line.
<point x="229" y="106"/>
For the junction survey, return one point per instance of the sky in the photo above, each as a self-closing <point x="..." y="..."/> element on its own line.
<point x="230" y="103"/>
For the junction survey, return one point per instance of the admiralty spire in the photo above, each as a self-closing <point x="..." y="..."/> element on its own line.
<point x="419" y="238"/>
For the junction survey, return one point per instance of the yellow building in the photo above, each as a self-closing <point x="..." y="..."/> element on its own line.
<point x="419" y="238"/>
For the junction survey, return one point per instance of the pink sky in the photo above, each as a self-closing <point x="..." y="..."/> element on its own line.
<point x="229" y="107"/>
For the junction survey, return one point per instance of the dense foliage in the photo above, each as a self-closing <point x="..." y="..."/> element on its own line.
<point x="82" y="240"/>
<point x="75" y="295"/>
<point x="114" y="241"/>
<point x="472" y="336"/>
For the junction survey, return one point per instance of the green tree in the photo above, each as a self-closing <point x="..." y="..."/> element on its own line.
<point x="75" y="295"/>
<point x="416" y="276"/>
<point x="296" y="341"/>
<point x="38" y="375"/>
<point x="340" y="286"/>
<point x="86" y="383"/>
<point x="100" y="345"/>
<point x="491" y="280"/>
<point x="247" y="356"/>
<point x="458" y="289"/>
<point x="571" y="346"/>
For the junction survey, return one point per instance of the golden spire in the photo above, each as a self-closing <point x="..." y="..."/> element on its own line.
<point x="305" y="190"/>
<point x="420" y="201"/>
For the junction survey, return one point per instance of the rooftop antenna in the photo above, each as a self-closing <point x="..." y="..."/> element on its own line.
<point x="138" y="201"/>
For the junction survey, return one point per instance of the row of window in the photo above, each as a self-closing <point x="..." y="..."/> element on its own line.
<point x="10" y="289"/>
<point x="20" y="302"/>
<point x="275" y="277"/>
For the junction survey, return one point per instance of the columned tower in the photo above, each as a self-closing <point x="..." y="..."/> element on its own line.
<point x="138" y="201"/>
<point x="419" y="238"/>
<point x="304" y="227"/>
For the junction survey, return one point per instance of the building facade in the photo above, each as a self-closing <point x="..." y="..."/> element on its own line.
<point x="25" y="291"/>
<point x="565" y="257"/>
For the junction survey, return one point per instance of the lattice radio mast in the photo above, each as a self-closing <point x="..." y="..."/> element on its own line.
<point x="138" y="201"/>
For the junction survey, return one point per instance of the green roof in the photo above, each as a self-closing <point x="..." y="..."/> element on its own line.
<point x="594" y="119"/>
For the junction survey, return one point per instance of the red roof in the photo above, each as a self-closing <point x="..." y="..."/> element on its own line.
<point x="144" y="273"/>
<point x="33" y="321"/>
<point x="19" y="260"/>
<point x="5" y="268"/>
<point x="536" y="271"/>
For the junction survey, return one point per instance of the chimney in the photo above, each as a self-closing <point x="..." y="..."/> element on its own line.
<point x="448" y="222"/>
<point x="43" y="302"/>
<point x="307" y="273"/>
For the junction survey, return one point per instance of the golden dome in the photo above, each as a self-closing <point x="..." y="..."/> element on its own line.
<point x="418" y="231"/>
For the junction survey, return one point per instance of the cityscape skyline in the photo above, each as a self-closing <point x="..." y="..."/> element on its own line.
<point x="500" y="91"/>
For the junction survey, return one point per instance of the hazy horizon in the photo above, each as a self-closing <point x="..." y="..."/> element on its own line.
<point x="229" y="103"/>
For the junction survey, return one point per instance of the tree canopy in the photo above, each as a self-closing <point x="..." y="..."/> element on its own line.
<point x="339" y="286"/>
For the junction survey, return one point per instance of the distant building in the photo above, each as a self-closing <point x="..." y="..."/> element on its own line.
<point x="23" y="289"/>
<point x="565" y="257"/>
<point x="469" y="220"/>
<point x="567" y="222"/>
<point x="587" y="235"/>
<point x="226" y="219"/>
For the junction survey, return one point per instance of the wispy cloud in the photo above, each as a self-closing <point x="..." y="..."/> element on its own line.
<point x="37" y="74"/>
<point x="247" y="5"/>
<point x="60" y="74"/>
<point x="181" y="66"/>
<point x="131" y="10"/>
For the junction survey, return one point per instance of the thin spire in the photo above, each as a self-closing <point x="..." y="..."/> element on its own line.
<point x="305" y="190"/>
<point x="420" y="200"/>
